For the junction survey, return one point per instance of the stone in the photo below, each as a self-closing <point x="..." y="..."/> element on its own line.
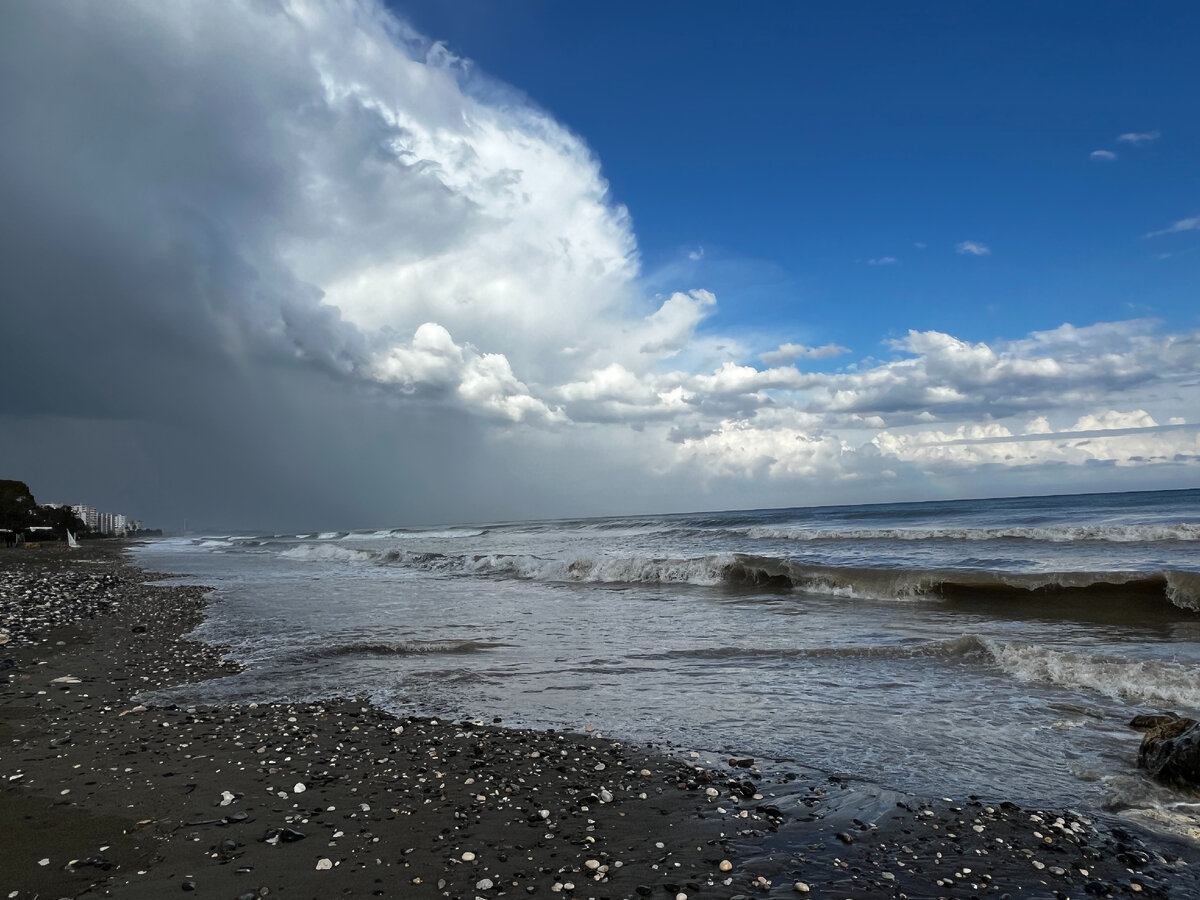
<point x="725" y="866"/>
<point x="1170" y="750"/>
<point x="324" y="863"/>
<point x="283" y="836"/>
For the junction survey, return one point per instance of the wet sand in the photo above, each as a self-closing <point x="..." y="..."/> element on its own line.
<point x="102" y="795"/>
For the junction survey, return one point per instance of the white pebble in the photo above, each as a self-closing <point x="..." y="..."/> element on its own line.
<point x="725" y="866"/>
<point x="483" y="884"/>
<point x="324" y="863"/>
<point x="802" y="888"/>
<point x="468" y="857"/>
<point x="298" y="788"/>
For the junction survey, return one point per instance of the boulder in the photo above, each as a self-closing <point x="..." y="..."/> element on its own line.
<point x="1170" y="750"/>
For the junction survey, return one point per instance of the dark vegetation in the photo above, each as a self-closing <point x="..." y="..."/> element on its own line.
<point x="20" y="512"/>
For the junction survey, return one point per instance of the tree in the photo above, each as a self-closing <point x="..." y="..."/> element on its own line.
<point x="18" y="509"/>
<point x="62" y="519"/>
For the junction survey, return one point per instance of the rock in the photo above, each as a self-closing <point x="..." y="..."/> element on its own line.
<point x="725" y="866"/>
<point x="483" y="884"/>
<point x="324" y="863"/>
<point x="1146" y="722"/>
<point x="741" y="762"/>
<point x="283" y="835"/>
<point x="1170" y="751"/>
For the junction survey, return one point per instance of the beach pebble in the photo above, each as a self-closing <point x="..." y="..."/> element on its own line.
<point x="483" y="884"/>
<point x="711" y="792"/>
<point x="324" y="863"/>
<point x="468" y="857"/>
<point x="725" y="866"/>
<point x="299" y="788"/>
<point x="606" y="795"/>
<point x="226" y="798"/>
<point x="801" y="887"/>
<point x="593" y="864"/>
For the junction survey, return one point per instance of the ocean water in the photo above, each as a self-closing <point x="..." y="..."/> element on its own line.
<point x="992" y="647"/>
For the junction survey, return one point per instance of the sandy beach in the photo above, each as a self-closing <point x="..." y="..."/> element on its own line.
<point x="104" y="795"/>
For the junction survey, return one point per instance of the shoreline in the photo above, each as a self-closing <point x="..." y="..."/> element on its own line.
<point x="125" y="800"/>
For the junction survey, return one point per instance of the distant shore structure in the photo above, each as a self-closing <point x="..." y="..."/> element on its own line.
<point x="98" y="522"/>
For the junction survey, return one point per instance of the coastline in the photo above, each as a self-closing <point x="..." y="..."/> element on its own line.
<point x="127" y="801"/>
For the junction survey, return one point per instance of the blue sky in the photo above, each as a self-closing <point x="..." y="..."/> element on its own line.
<point x="795" y="143"/>
<point x="336" y="263"/>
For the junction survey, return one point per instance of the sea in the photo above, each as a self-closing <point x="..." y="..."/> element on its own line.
<point x="995" y="648"/>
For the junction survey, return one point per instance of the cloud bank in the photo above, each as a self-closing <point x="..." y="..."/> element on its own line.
<point x="292" y="262"/>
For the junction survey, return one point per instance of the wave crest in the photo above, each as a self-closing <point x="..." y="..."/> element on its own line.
<point x="1146" y="681"/>
<point x="1055" y="534"/>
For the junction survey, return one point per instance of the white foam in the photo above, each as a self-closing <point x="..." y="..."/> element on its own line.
<point x="443" y="533"/>
<point x="1139" y="681"/>
<point x="1183" y="589"/>
<point x="1050" y="534"/>
<point x="327" y="552"/>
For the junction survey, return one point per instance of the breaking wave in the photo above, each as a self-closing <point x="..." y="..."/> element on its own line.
<point x="1056" y="534"/>
<point x="737" y="570"/>
<point x="1154" y="682"/>
<point x="327" y="553"/>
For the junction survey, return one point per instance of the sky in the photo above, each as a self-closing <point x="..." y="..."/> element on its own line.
<point x="279" y="264"/>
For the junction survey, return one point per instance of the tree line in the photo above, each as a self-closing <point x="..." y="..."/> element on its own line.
<point x="19" y="511"/>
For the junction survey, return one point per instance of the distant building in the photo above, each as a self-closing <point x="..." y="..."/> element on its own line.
<point x="102" y="522"/>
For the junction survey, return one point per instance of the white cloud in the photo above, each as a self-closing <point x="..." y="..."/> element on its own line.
<point x="433" y="364"/>
<point x="789" y="353"/>
<point x="1092" y="439"/>
<point x="1103" y="155"/>
<point x="1191" y="224"/>
<point x="1138" y="138"/>
<point x="882" y="261"/>
<point x="972" y="248"/>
